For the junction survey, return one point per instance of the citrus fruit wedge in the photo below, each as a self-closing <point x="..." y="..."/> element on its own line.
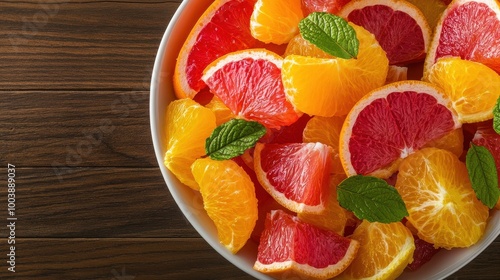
<point x="392" y="122"/>
<point x="441" y="203"/>
<point x="249" y="83"/>
<point x="229" y="199"/>
<point x="296" y="249"/>
<point x="223" y="28"/>
<point x="470" y="30"/>
<point x="472" y="87"/>
<point x="400" y="27"/>
<point x="487" y="137"/>
<point x="329" y="6"/>
<point x="330" y="87"/>
<point x="275" y="21"/>
<point x="384" y="252"/>
<point x="188" y="126"/>
<point x="296" y="174"/>
<point x="432" y="10"/>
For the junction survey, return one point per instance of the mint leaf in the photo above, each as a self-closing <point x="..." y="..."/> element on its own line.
<point x="233" y="138"/>
<point x="331" y="34"/>
<point x="372" y="199"/>
<point x="496" y="117"/>
<point x="483" y="174"/>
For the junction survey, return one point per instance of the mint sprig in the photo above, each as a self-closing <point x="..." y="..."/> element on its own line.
<point x="331" y="34"/>
<point x="496" y="117"/>
<point x="483" y="174"/>
<point x="233" y="138"/>
<point x="371" y="199"/>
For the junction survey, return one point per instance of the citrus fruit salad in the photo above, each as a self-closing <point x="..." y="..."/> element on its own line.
<point x="348" y="139"/>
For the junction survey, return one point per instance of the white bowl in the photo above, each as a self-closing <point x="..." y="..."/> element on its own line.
<point x="442" y="265"/>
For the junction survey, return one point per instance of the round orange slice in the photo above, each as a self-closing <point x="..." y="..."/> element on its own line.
<point x="392" y="122"/>
<point x="223" y="28"/>
<point x="400" y="27"/>
<point x="249" y="83"/>
<point x="296" y="174"/>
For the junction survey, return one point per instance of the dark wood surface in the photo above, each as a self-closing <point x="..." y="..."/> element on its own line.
<point x="90" y="200"/>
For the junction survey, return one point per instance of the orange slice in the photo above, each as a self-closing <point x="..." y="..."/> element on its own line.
<point x="392" y="122"/>
<point x="443" y="207"/>
<point x="384" y="252"/>
<point x="229" y="199"/>
<point x="276" y="21"/>
<point x="249" y="83"/>
<point x="400" y="27"/>
<point x="472" y="87"/>
<point x="188" y="126"/>
<point x="292" y="248"/>
<point x="296" y="175"/>
<point x="330" y="87"/>
<point x="223" y="28"/>
<point x="469" y="29"/>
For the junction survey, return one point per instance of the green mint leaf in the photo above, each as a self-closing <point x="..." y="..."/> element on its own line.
<point x="233" y="138"/>
<point x="371" y="199"/>
<point x="331" y="34"/>
<point x="496" y="117"/>
<point x="483" y="174"/>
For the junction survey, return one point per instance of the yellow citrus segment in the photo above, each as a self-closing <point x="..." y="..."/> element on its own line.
<point x="327" y="131"/>
<point x="472" y="87"/>
<point x="330" y="87"/>
<point x="188" y="126"/>
<point x="221" y="111"/>
<point x="229" y="199"/>
<point x="275" y="21"/>
<point x="385" y="251"/>
<point x="300" y="46"/>
<point x="441" y="203"/>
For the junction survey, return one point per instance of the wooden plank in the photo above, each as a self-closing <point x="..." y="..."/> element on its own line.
<point x="76" y="128"/>
<point x="95" y="202"/>
<point x="86" y="45"/>
<point x="162" y="258"/>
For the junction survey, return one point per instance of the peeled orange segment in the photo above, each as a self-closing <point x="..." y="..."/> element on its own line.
<point x="296" y="249"/>
<point x="441" y="203"/>
<point x="222" y="113"/>
<point x="275" y="21"/>
<point x="300" y="46"/>
<point x="487" y="137"/>
<point x="188" y="126"/>
<point x="470" y="30"/>
<point x="296" y="174"/>
<point x="400" y="27"/>
<point x="384" y="252"/>
<point x="396" y="74"/>
<point x="392" y="122"/>
<point x="330" y="87"/>
<point x="249" y="83"/>
<point x="223" y="28"/>
<point x="326" y="131"/>
<point x="229" y="199"/>
<point x="453" y="141"/>
<point x="329" y="6"/>
<point x="472" y="87"/>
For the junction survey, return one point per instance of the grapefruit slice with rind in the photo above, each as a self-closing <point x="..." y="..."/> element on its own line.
<point x="470" y="30"/>
<point x="249" y="83"/>
<point x="296" y="174"/>
<point x="392" y="122"/>
<point x="223" y="28"/>
<point x="293" y="248"/>
<point x="400" y="27"/>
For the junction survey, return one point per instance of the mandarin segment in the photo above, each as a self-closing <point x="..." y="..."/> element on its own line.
<point x="229" y="199"/>
<point x="441" y="203"/>
<point x="188" y="125"/>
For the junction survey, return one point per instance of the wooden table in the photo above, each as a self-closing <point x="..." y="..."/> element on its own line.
<point x="90" y="201"/>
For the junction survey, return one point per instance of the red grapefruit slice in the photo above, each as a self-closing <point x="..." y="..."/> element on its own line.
<point x="249" y="83"/>
<point x="400" y="27"/>
<point x="223" y="28"/>
<point x="392" y="122"/>
<point x="329" y="6"/>
<point x="294" y="248"/>
<point x="470" y="30"/>
<point x="296" y="174"/>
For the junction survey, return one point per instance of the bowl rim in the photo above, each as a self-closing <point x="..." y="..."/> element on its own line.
<point x="240" y="260"/>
